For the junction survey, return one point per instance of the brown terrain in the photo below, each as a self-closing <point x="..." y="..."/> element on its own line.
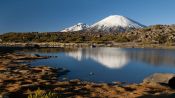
<point x="18" y="80"/>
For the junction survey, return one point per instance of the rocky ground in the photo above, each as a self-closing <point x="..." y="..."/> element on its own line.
<point x="18" y="80"/>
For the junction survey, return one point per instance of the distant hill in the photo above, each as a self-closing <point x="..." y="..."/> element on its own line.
<point x="153" y="34"/>
<point x="157" y="34"/>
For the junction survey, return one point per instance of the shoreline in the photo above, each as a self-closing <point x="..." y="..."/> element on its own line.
<point x="81" y="45"/>
<point x="20" y="80"/>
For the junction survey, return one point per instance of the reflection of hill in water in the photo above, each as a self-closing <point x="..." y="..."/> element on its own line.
<point x="109" y="57"/>
<point x="118" y="58"/>
<point x="48" y="50"/>
<point x="154" y="57"/>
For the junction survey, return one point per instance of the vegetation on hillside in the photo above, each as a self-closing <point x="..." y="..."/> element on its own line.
<point x="157" y="34"/>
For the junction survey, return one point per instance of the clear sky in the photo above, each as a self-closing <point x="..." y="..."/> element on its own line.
<point x="54" y="15"/>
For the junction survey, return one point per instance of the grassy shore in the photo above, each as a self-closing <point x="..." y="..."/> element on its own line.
<point x="18" y="80"/>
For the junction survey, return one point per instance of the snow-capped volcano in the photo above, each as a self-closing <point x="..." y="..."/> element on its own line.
<point x="115" y="23"/>
<point x="77" y="27"/>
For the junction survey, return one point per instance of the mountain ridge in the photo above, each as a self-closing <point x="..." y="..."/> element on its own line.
<point x="77" y="27"/>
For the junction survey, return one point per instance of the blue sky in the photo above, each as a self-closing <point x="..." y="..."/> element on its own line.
<point x="54" y="15"/>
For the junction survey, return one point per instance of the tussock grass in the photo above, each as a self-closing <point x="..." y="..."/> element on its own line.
<point x="42" y="94"/>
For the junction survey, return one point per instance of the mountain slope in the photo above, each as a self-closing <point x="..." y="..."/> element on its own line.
<point x="77" y="27"/>
<point x="115" y="23"/>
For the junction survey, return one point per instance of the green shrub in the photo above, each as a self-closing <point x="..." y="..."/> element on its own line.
<point x="121" y="39"/>
<point x="41" y="94"/>
<point x="146" y="29"/>
<point x="161" y="39"/>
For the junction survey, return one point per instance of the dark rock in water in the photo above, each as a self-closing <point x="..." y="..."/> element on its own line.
<point x="37" y="55"/>
<point x="63" y="71"/>
<point x="171" y="83"/>
<point x="91" y="73"/>
<point x="64" y="79"/>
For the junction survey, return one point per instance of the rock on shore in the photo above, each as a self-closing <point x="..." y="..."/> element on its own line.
<point x="159" y="78"/>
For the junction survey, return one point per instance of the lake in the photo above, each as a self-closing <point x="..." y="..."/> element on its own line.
<point x="105" y="64"/>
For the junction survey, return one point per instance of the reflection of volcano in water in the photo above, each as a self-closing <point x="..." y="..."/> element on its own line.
<point x="109" y="57"/>
<point x="117" y="58"/>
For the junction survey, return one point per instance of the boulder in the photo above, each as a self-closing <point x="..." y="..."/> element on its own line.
<point x="171" y="83"/>
<point x="159" y="78"/>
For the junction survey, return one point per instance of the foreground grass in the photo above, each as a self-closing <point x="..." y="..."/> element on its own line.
<point x="42" y="94"/>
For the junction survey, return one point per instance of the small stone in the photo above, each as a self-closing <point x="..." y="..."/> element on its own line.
<point x="117" y="83"/>
<point x="158" y="93"/>
<point x="65" y="78"/>
<point x="91" y="73"/>
<point x="74" y="81"/>
<point x="23" y="71"/>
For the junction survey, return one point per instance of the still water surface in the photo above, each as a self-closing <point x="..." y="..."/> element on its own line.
<point x="129" y="65"/>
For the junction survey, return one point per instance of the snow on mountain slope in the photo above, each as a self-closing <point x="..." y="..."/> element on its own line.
<point x="77" y="27"/>
<point x="115" y="23"/>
